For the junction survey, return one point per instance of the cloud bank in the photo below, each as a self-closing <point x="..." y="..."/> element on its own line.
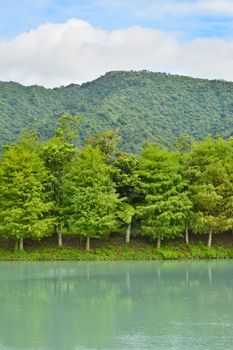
<point x="75" y="51"/>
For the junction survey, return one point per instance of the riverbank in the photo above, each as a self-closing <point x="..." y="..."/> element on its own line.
<point x="116" y="249"/>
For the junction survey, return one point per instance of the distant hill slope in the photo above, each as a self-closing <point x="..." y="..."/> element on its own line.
<point x="143" y="106"/>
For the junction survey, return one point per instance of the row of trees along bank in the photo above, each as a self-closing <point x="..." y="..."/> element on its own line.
<point x="54" y="187"/>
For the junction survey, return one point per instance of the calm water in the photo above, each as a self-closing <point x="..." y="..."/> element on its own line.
<point x="117" y="305"/>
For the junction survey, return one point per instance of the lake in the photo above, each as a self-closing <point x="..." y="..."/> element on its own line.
<point x="116" y="305"/>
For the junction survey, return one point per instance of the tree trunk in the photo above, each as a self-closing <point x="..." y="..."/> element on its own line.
<point x="88" y="243"/>
<point x="59" y="235"/>
<point x="128" y="230"/>
<point x="186" y="235"/>
<point x="60" y="239"/>
<point x="210" y="239"/>
<point x="21" y="244"/>
<point x="158" y="242"/>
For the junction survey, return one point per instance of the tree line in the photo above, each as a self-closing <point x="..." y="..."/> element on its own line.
<point x="53" y="187"/>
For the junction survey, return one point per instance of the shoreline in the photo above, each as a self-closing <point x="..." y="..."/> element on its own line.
<point x="116" y="251"/>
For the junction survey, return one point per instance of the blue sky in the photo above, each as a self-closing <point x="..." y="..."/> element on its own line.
<point x="54" y="42"/>
<point x="18" y="16"/>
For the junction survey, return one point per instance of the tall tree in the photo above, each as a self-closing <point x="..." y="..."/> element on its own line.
<point x="212" y="186"/>
<point x="125" y="177"/>
<point x="165" y="204"/>
<point x="57" y="153"/>
<point x="90" y="195"/>
<point x="24" y="203"/>
<point x="183" y="145"/>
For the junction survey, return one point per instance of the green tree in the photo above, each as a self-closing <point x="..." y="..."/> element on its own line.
<point x="57" y="154"/>
<point x="212" y="186"/>
<point x="125" y="178"/>
<point x="24" y="203"/>
<point x="165" y="204"/>
<point x="183" y="145"/>
<point x="126" y="212"/>
<point x="90" y="195"/>
<point x="106" y="141"/>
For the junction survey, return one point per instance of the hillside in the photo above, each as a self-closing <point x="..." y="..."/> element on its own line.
<point x="143" y="106"/>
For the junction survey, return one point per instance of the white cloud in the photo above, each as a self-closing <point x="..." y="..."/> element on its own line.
<point x="75" y="51"/>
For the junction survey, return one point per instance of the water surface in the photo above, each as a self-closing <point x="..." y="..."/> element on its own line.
<point x="116" y="305"/>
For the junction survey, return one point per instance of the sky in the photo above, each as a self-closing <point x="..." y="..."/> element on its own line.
<point x="58" y="42"/>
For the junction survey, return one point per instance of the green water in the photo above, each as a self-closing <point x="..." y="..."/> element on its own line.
<point x="116" y="305"/>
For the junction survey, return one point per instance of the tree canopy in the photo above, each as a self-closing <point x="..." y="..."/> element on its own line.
<point x="97" y="190"/>
<point x="24" y="195"/>
<point x="90" y="195"/>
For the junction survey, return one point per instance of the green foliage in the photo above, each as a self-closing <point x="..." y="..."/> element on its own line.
<point x="143" y="106"/>
<point x="125" y="212"/>
<point x="93" y="193"/>
<point x="165" y="204"/>
<point x="67" y="129"/>
<point x="118" y="251"/>
<point x="24" y="203"/>
<point x="89" y="194"/>
<point x="125" y="175"/>
<point x="106" y="141"/>
<point x="211" y="188"/>
<point x="57" y="154"/>
<point x="183" y="143"/>
<point x="125" y="179"/>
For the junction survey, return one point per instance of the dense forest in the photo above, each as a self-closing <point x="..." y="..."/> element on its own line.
<point x="54" y="187"/>
<point x="141" y="106"/>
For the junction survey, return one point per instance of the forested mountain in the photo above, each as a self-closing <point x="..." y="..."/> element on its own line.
<point x="142" y="106"/>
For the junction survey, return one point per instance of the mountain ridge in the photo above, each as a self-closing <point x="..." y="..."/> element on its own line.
<point x="143" y="106"/>
<point x="113" y="72"/>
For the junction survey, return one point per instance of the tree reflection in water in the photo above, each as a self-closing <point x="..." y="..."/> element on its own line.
<point x="116" y="305"/>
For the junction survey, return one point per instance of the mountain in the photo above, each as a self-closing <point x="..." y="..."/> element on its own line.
<point x="142" y="106"/>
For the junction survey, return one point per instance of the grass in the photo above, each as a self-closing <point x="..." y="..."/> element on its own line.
<point x="114" y="249"/>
